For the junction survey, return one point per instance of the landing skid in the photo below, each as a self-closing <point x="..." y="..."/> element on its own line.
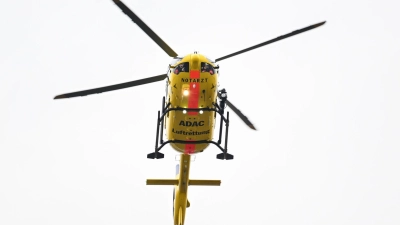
<point x="155" y="155"/>
<point x="222" y="95"/>
<point x="226" y="156"/>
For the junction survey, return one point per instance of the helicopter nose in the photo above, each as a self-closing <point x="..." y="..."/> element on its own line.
<point x="195" y="62"/>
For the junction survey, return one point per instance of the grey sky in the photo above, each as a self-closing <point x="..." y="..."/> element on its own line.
<point x="325" y="103"/>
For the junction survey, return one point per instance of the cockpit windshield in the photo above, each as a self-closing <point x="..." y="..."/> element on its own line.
<point x="182" y="67"/>
<point x="207" y="68"/>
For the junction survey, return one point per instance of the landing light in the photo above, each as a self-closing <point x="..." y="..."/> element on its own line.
<point x="201" y="111"/>
<point x="184" y="111"/>
<point x="185" y="92"/>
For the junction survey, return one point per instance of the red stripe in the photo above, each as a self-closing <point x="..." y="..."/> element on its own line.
<point x="194" y="91"/>
<point x="190" y="148"/>
<point x="193" y="102"/>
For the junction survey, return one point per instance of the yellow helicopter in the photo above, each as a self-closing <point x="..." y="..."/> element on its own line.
<point x="189" y="109"/>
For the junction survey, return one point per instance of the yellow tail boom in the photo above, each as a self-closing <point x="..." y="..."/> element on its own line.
<point x="181" y="184"/>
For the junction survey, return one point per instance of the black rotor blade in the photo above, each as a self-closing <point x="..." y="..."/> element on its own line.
<point x="113" y="87"/>
<point x="145" y="28"/>
<point x="272" y="41"/>
<point x="240" y="114"/>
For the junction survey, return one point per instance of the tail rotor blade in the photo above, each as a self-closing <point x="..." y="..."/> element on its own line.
<point x="145" y="28"/>
<point x="272" y="40"/>
<point x="113" y="87"/>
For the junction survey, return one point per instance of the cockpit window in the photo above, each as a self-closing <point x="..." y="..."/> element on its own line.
<point x="207" y="68"/>
<point x="183" y="67"/>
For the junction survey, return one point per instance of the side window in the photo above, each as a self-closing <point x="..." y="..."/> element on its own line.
<point x="183" y="67"/>
<point x="207" y="68"/>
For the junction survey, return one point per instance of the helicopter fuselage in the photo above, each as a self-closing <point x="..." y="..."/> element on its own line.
<point x="192" y="84"/>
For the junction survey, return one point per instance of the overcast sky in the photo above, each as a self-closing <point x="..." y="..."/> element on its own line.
<point x="325" y="103"/>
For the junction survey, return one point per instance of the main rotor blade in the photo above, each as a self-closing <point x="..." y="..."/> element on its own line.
<point x="272" y="41"/>
<point x="113" y="87"/>
<point x="145" y="28"/>
<point x="240" y="114"/>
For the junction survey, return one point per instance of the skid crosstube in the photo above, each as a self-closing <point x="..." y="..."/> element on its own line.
<point x="217" y="108"/>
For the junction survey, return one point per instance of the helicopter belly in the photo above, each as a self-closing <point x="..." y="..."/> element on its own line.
<point x="190" y="128"/>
